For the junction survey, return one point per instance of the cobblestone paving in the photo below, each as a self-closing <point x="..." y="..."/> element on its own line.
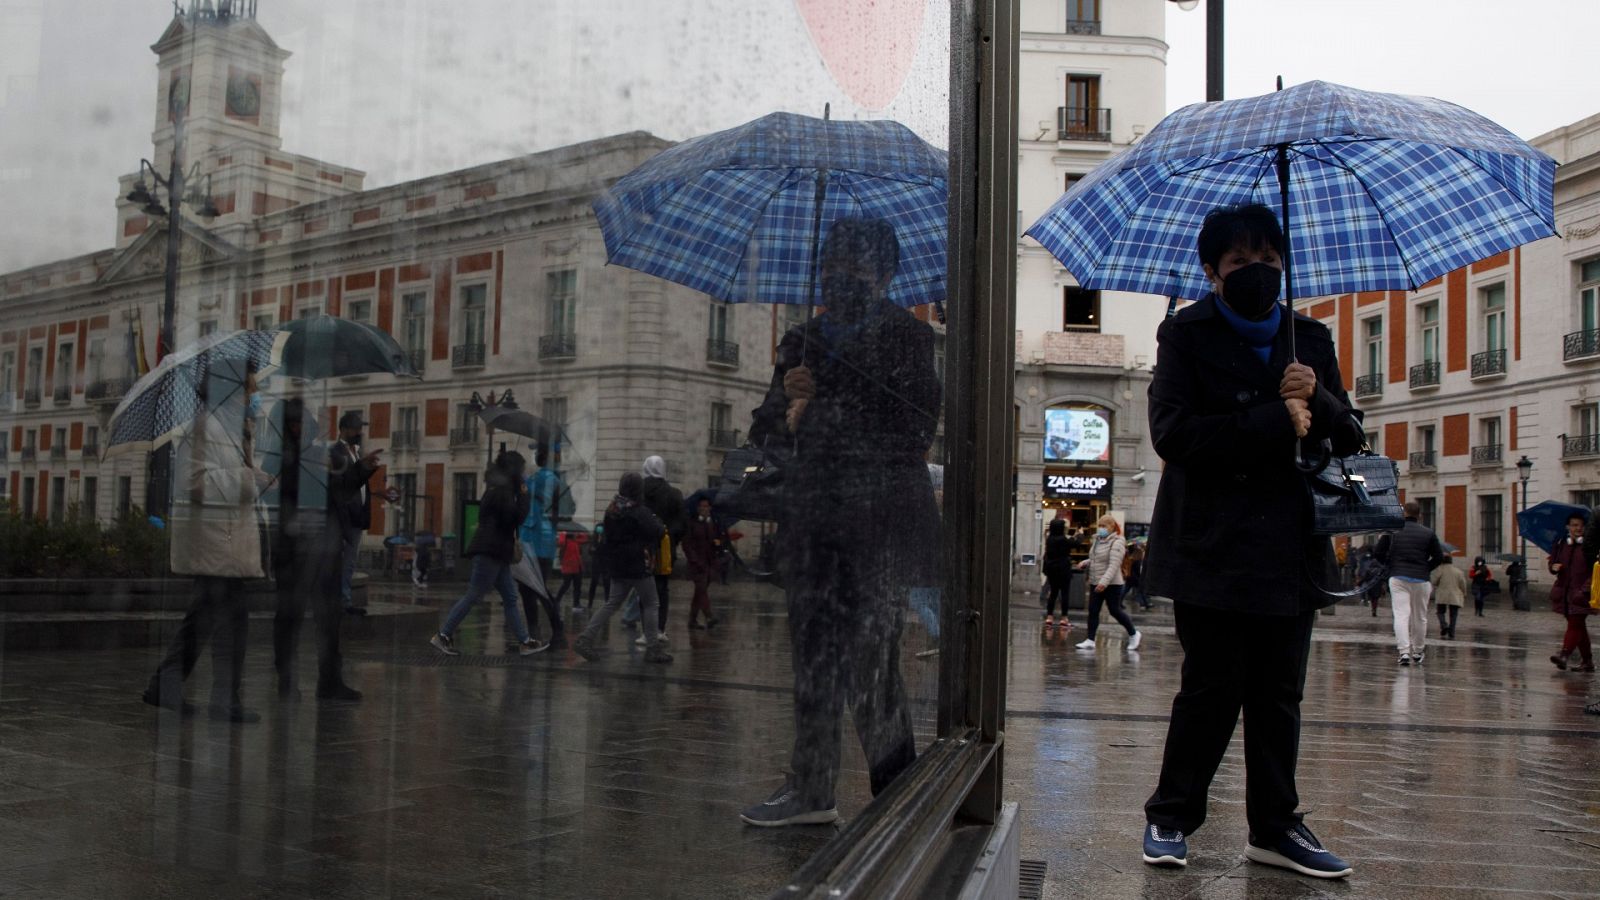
<point x="487" y="776"/>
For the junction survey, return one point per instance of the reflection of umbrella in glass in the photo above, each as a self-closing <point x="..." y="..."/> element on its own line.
<point x="161" y="405"/>
<point x="329" y="347"/>
<point x="524" y="423"/>
<point x="741" y="214"/>
<point x="1545" y="523"/>
<point x="1385" y="191"/>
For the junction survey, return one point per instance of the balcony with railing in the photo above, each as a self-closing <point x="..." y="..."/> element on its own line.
<point x="558" y="346"/>
<point x="62" y="395"/>
<point x="1369" y="386"/>
<point x="1489" y="364"/>
<point x="1487" y="455"/>
<point x="107" y="390"/>
<point x="1083" y="123"/>
<point x="722" y="353"/>
<point x="723" y="439"/>
<point x="32" y="397"/>
<point x="1425" y="375"/>
<point x="58" y="452"/>
<point x="408" y="439"/>
<point x="1581" y="345"/>
<point x="464" y="437"/>
<point x="418" y="357"/>
<point x="91" y="449"/>
<point x="1580" y="446"/>
<point x="28" y="454"/>
<point x="1423" y="461"/>
<point x="1083" y="26"/>
<point x="467" y="356"/>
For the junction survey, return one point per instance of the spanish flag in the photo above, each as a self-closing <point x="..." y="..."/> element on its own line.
<point x="138" y="364"/>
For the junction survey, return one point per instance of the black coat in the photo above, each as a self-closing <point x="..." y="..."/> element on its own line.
<point x="347" y="488"/>
<point x="1232" y="523"/>
<point x="500" y="512"/>
<point x="1058" y="558"/>
<point x="666" y="502"/>
<point x="630" y="541"/>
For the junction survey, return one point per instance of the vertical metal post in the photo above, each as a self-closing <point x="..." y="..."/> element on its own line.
<point x="1214" y="17"/>
<point x="159" y="494"/>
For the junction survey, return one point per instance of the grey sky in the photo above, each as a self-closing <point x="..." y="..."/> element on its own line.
<point x="407" y="88"/>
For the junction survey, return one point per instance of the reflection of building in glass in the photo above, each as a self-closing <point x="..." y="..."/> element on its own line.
<point x="1093" y="78"/>
<point x="490" y="278"/>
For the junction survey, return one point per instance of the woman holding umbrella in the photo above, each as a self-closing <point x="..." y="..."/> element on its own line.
<point x="1570" y="595"/>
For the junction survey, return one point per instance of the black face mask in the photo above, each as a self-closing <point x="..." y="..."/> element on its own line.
<point x="1251" y="290"/>
<point x="846" y="292"/>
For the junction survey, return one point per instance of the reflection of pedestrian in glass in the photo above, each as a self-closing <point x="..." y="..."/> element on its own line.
<point x="627" y="557"/>
<point x="666" y="502"/>
<point x="1057" y="572"/>
<point x="1569" y="596"/>
<point x="702" y="547"/>
<point x="1104" y="567"/>
<point x="349" y="471"/>
<point x="538" y="536"/>
<point x="501" y="510"/>
<point x="216" y="540"/>
<point x="569" y="545"/>
<point x="855" y="389"/>
<point x="1229" y="542"/>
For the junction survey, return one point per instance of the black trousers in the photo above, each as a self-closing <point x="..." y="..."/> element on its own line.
<point x="661" y="601"/>
<point x="307" y="574"/>
<point x="1234" y="662"/>
<point x="1452" y="612"/>
<point x="531" y="603"/>
<point x="1055" y="590"/>
<point x="218" y="613"/>
<point x="574" y="581"/>
<point x="1111" y="599"/>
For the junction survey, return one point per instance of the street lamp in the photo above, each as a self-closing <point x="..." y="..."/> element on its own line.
<point x="1213" y="44"/>
<point x="1519" y="587"/>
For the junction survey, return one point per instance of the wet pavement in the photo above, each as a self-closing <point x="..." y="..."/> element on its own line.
<point x="490" y="775"/>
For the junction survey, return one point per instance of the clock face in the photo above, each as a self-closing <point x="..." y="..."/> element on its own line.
<point x="244" y="96"/>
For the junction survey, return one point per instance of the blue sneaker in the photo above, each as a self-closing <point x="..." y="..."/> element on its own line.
<point x="1297" y="850"/>
<point x="1165" y="847"/>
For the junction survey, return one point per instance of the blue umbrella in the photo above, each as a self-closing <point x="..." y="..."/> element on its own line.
<point x="1545" y="523"/>
<point x="1387" y="192"/>
<point x="739" y="214"/>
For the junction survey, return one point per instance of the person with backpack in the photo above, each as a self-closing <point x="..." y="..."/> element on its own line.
<point x="627" y="556"/>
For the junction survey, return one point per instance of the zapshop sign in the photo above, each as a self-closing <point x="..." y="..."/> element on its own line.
<point x="1091" y="487"/>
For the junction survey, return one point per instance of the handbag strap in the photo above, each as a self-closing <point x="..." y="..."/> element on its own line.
<point x="1375" y="576"/>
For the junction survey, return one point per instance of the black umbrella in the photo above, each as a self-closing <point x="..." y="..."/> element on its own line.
<point x="522" y="422"/>
<point x="329" y="347"/>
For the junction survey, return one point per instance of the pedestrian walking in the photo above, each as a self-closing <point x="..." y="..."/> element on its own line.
<point x="627" y="558"/>
<point x="570" y="547"/>
<point x="1105" y="583"/>
<point x="1481" y="576"/>
<point x="855" y="391"/>
<point x="215" y="536"/>
<point x="1369" y="571"/>
<point x="538" y="537"/>
<point x="1229" y="542"/>
<point x="349" y="472"/>
<point x="1057" y="574"/>
<point x="1411" y="554"/>
<point x="591" y="562"/>
<point x="702" y="547"/>
<point x="501" y="511"/>
<point x="666" y="502"/>
<point x="1133" y="576"/>
<point x="1449" y="593"/>
<point x="1569" y="596"/>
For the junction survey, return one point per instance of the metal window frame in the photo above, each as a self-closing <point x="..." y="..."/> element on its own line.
<point x="937" y="816"/>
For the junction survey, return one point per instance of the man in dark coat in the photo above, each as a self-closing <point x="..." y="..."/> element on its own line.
<point x="666" y="502"/>
<point x="1231" y="540"/>
<point x="348" y="473"/>
<point x="1411" y="554"/>
<point x="855" y="393"/>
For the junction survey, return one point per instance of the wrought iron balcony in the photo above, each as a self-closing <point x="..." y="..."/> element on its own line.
<point x="1488" y="364"/>
<point x="1083" y="123"/>
<point x="404" y="440"/>
<point x="1581" y="345"/>
<point x="1369" y="386"/>
<point x="1425" y="375"/>
<point x="558" y="346"/>
<point x="31" y="398"/>
<point x="1422" y="461"/>
<point x="722" y="353"/>
<point x="418" y="358"/>
<point x="721" y="439"/>
<point x="107" y="390"/>
<point x="464" y="437"/>
<point x="1487" y="455"/>
<point x="29" y="454"/>
<point x="1083" y="26"/>
<point x="62" y="395"/>
<point x="1577" y="446"/>
<point x="467" y="356"/>
<point x="58" y="452"/>
<point x="91" y="450"/>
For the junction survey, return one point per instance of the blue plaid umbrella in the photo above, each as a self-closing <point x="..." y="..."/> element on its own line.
<point x="1545" y="523"/>
<point x="739" y="214"/>
<point x="1386" y="192"/>
<point x="162" y="405"/>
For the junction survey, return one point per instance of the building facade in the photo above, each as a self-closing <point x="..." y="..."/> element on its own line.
<point x="1490" y="364"/>
<point x="1093" y="80"/>
<point x="491" y="278"/>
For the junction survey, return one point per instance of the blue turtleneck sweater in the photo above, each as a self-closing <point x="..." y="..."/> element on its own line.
<point x="1258" y="335"/>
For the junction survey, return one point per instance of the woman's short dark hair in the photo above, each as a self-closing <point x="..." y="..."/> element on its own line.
<point x="511" y="463"/>
<point x="631" y="486"/>
<point x="1251" y="226"/>
<point x="872" y="240"/>
<point x="1056" y="526"/>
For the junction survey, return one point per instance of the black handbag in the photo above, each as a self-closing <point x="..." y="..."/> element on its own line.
<point x="1354" y="494"/>
<point x="751" y="486"/>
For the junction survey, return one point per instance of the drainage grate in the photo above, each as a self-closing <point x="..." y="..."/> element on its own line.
<point x="1030" y="882"/>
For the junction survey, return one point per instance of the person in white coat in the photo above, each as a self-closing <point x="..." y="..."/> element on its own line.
<point x="215" y="538"/>
<point x="1105" y="581"/>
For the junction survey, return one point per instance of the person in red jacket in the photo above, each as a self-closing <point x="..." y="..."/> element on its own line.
<point x="1570" y="596"/>
<point x="570" y="549"/>
<point x="702" y="543"/>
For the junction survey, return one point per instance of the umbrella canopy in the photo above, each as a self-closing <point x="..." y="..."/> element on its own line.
<point x="522" y="422"/>
<point x="161" y="405"/>
<point x="1545" y="523"/>
<point x="329" y="347"/>
<point x="1385" y="192"/>
<point x="736" y="214"/>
